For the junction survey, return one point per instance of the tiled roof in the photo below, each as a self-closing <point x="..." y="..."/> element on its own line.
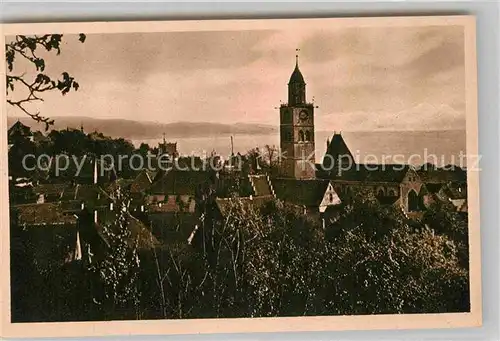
<point x="138" y="230"/>
<point x="19" y="128"/>
<point x="229" y="185"/>
<point x="142" y="181"/>
<point x="374" y="173"/>
<point x="180" y="203"/>
<point x="300" y="192"/>
<point x="260" y="185"/>
<point x="43" y="215"/>
<point x="182" y="182"/>
<point x="455" y="191"/>
<point x="51" y="189"/>
<point x="226" y="204"/>
<point x="336" y="151"/>
<point x="81" y="192"/>
<point x="442" y="175"/>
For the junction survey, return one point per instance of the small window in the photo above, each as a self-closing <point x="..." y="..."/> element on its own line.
<point x="330" y="197"/>
<point x="301" y="136"/>
<point x="412" y="201"/>
<point x="308" y="135"/>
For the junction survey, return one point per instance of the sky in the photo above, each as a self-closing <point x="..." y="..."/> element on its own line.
<point x="370" y="78"/>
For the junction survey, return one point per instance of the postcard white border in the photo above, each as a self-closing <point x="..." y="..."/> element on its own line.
<point x="247" y="325"/>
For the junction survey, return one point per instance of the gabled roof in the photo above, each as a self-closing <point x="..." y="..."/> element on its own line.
<point x="181" y="182"/>
<point x="43" y="215"/>
<point x="229" y="185"/>
<point x="261" y="185"/>
<point x="300" y="192"/>
<point x="336" y="151"/>
<point x="455" y="191"/>
<point x="139" y="232"/>
<point x="142" y="181"/>
<point x="19" y="128"/>
<point x="225" y="205"/>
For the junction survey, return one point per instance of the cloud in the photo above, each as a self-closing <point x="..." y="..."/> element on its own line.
<point x="361" y="78"/>
<point x="422" y="117"/>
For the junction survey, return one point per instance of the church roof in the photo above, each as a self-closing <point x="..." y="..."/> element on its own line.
<point x="300" y="192"/>
<point x="296" y="76"/>
<point x="337" y="151"/>
<point x="393" y="173"/>
<point x="441" y="175"/>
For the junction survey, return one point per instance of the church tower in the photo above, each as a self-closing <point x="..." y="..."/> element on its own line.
<point x="297" y="130"/>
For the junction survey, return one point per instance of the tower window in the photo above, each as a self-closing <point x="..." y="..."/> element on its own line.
<point x="289" y="136"/>
<point x="412" y="201"/>
<point x="308" y="135"/>
<point x="380" y="192"/>
<point x="301" y="135"/>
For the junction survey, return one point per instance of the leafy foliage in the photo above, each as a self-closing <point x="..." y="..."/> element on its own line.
<point x="117" y="270"/>
<point x="28" y="48"/>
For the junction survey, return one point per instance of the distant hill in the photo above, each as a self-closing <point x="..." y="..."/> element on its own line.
<point x="149" y="130"/>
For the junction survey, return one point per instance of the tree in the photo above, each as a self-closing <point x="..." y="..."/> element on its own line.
<point x="380" y="262"/>
<point x="118" y="269"/>
<point x="28" y="48"/>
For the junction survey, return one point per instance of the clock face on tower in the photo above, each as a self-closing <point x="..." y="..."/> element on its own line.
<point x="303" y="115"/>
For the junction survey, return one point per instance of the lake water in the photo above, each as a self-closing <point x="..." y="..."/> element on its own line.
<point x="439" y="147"/>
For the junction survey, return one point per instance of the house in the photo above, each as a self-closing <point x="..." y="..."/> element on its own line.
<point x="225" y="206"/>
<point x="171" y="202"/>
<point x="393" y="184"/>
<point x="19" y="132"/>
<point x="50" y="230"/>
<point x="313" y="195"/>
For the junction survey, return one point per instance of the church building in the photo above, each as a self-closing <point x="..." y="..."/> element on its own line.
<point x="338" y="174"/>
<point x="297" y="130"/>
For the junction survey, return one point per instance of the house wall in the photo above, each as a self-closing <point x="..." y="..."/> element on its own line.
<point x="410" y="182"/>
<point x="330" y="198"/>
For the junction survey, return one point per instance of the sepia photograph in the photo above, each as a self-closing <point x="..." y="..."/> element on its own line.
<point x="241" y="170"/>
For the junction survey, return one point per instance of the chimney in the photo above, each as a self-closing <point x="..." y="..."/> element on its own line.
<point x="95" y="171"/>
<point x="78" y="247"/>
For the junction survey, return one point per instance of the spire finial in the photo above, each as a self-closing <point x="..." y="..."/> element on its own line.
<point x="297" y="57"/>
